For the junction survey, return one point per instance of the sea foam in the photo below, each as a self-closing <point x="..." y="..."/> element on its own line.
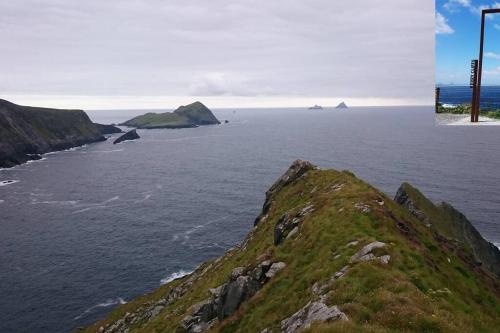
<point x="174" y="276"/>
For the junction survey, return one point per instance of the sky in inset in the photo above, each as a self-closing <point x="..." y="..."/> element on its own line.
<point x="458" y="28"/>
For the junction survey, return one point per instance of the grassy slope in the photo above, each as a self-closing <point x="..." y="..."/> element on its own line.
<point x="185" y="116"/>
<point x="409" y="294"/>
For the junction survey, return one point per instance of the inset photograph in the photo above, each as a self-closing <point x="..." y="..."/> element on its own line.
<point x="467" y="62"/>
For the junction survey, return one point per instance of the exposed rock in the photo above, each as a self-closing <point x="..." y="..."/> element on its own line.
<point x="284" y="226"/>
<point x="225" y="300"/>
<point x="364" y="208"/>
<point x="108" y="129"/>
<point x="296" y="170"/>
<point x="130" y="135"/>
<point x="310" y="313"/>
<point x="365" y="254"/>
<point x="402" y="198"/>
<point x="341" y="105"/>
<point x="288" y="224"/>
<point x="275" y="268"/>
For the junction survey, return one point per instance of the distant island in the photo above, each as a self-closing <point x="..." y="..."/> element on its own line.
<point x="330" y="253"/>
<point x="316" y="107"/>
<point x="192" y="115"/>
<point x="342" y="105"/>
<point x="27" y="132"/>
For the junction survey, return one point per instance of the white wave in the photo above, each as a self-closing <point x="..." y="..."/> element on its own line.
<point x="146" y="197"/>
<point x="35" y="161"/>
<point x="106" y="151"/>
<point x="8" y="182"/>
<point x="96" y="205"/>
<point x="105" y="304"/>
<point x="448" y="106"/>
<point x="75" y="148"/>
<point x="54" y="202"/>
<point x="497" y="245"/>
<point x="174" y="276"/>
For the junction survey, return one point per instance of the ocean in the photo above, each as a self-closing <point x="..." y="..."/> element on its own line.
<point x="490" y="96"/>
<point x="86" y="229"/>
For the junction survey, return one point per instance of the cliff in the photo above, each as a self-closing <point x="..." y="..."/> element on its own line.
<point x="26" y="132"/>
<point x="328" y="253"/>
<point x="192" y="115"/>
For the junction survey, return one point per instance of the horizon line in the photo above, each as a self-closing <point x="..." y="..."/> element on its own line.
<point x="143" y="102"/>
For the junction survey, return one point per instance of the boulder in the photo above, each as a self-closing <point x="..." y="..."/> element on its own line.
<point x="309" y="314"/>
<point x="130" y="135"/>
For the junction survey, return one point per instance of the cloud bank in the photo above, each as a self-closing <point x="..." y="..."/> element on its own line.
<point x="356" y="49"/>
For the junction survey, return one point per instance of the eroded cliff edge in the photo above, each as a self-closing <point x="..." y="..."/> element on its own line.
<point x="26" y="132"/>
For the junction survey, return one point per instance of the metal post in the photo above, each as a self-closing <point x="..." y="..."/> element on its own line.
<point x="438" y="91"/>
<point x="480" y="69"/>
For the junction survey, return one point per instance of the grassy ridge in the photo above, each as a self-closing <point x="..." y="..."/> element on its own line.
<point x="191" y="115"/>
<point x="426" y="287"/>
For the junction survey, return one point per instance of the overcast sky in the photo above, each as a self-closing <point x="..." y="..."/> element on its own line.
<point x="153" y="53"/>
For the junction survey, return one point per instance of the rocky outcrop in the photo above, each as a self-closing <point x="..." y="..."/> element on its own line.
<point x="341" y="105"/>
<point x="227" y="298"/>
<point x="312" y="312"/>
<point x="296" y="170"/>
<point x="366" y="253"/>
<point x="449" y="222"/>
<point x="288" y="224"/>
<point x="27" y="132"/>
<point x="107" y="129"/>
<point x="130" y="135"/>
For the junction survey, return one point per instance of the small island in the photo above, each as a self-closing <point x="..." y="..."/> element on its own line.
<point x="188" y="116"/>
<point x="316" y="107"/>
<point x="130" y="135"/>
<point x="341" y="105"/>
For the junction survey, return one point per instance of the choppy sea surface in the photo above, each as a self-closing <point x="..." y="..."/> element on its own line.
<point x="453" y="95"/>
<point x="89" y="228"/>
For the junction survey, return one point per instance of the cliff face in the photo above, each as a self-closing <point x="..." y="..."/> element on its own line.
<point x="328" y="253"/>
<point x="26" y="131"/>
<point x="192" y="115"/>
<point x="450" y="223"/>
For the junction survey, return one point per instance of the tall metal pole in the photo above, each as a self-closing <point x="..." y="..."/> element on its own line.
<point x="480" y="70"/>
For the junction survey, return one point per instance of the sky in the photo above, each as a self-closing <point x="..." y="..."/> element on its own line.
<point x="458" y="29"/>
<point x="96" y="54"/>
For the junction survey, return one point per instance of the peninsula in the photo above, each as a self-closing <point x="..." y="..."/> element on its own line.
<point x="27" y="132"/>
<point x="192" y="115"/>
<point x="330" y="253"/>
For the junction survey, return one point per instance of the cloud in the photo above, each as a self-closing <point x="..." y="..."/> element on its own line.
<point x="218" y="48"/>
<point x="492" y="55"/>
<point x="492" y="72"/>
<point x="455" y="5"/>
<point x="442" y="26"/>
